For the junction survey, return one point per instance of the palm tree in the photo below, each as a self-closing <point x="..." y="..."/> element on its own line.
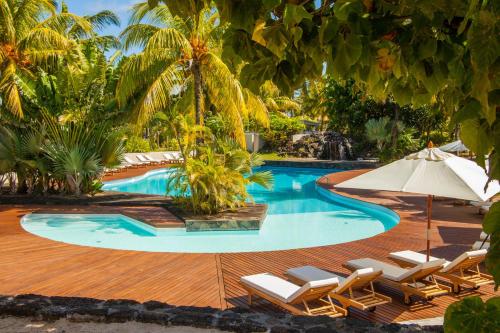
<point x="32" y="35"/>
<point x="181" y="58"/>
<point x="275" y="101"/>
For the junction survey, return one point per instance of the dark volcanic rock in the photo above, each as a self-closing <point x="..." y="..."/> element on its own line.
<point x="155" y="305"/>
<point x="327" y="145"/>
<point x="238" y="320"/>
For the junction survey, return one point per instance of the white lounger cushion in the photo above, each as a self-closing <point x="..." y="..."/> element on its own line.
<point x="393" y="272"/>
<point x="483" y="235"/>
<point x="462" y="257"/>
<point x="413" y="257"/>
<point x="311" y="273"/>
<point x="389" y="271"/>
<point x="129" y="160"/>
<point x="419" y="258"/>
<point x="478" y="245"/>
<point x="282" y="289"/>
<point x="142" y="158"/>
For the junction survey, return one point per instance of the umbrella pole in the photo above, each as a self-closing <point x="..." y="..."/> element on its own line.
<point x="429" y="217"/>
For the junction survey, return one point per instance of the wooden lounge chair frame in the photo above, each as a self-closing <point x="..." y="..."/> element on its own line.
<point x="368" y="300"/>
<point x="320" y="294"/>
<point x="425" y="288"/>
<point x="467" y="273"/>
<point x="422" y="284"/>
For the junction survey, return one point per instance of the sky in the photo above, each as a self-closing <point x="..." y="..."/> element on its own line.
<point x="90" y="7"/>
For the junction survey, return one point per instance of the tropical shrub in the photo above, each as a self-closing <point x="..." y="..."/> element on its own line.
<point x="377" y="130"/>
<point x="472" y="315"/>
<point x="136" y="144"/>
<point x="59" y="158"/>
<point x="281" y="129"/>
<point x="215" y="172"/>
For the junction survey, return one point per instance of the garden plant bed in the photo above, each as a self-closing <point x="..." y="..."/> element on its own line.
<point x="249" y="217"/>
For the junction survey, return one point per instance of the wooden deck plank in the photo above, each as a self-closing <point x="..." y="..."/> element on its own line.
<point x="31" y="264"/>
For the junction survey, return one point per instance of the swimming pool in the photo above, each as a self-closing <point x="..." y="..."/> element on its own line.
<point x="300" y="215"/>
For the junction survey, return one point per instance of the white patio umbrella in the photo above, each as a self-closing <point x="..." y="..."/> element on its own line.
<point x="431" y="172"/>
<point x="455" y="147"/>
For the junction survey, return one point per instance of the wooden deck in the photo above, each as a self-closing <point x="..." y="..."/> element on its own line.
<point x="30" y="264"/>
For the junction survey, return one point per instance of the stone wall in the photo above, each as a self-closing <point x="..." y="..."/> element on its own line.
<point x="233" y="320"/>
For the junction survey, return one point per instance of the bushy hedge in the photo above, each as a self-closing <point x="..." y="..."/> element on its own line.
<point x="280" y="130"/>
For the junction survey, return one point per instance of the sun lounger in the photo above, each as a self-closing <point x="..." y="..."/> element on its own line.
<point x="170" y="158"/>
<point x="134" y="163"/>
<point x="150" y="159"/>
<point x="482" y="206"/>
<point x="298" y="300"/>
<point x="143" y="159"/>
<point x="416" y="281"/>
<point x="356" y="290"/>
<point x="480" y="245"/>
<point x="154" y="160"/>
<point x="174" y="157"/>
<point x="463" y="270"/>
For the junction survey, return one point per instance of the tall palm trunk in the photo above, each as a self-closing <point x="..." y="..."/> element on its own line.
<point x="197" y="91"/>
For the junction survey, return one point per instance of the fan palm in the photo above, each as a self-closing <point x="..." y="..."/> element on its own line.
<point x="181" y="57"/>
<point x="32" y="34"/>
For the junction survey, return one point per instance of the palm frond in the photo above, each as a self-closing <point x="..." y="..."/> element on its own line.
<point x="286" y="103"/>
<point x="158" y="94"/>
<point x="256" y="108"/>
<point x="61" y="22"/>
<point x="225" y="93"/>
<point x="103" y="19"/>
<point x="168" y="38"/>
<point x="9" y="87"/>
<point x="7" y="25"/>
<point x="137" y="35"/>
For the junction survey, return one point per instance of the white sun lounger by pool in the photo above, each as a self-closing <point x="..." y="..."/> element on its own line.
<point x="174" y="157"/>
<point x="464" y="269"/>
<point x="153" y="160"/>
<point x="356" y="290"/>
<point x="132" y="162"/>
<point x="296" y="299"/>
<point x="142" y="159"/>
<point x="416" y="281"/>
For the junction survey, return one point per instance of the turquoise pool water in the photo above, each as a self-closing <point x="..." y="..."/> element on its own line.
<point x="300" y="215"/>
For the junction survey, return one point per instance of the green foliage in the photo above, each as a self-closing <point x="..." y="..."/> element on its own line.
<point x="377" y="130"/>
<point x="472" y="315"/>
<point x="182" y="54"/>
<point x="136" y="144"/>
<point x="58" y="157"/>
<point x="491" y="225"/>
<point x="215" y="173"/>
<point x="281" y="129"/>
<point x="42" y="49"/>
